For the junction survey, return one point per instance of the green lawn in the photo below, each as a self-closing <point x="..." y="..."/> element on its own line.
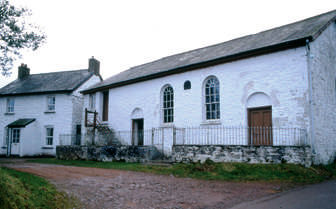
<point x="22" y="190"/>
<point x="218" y="171"/>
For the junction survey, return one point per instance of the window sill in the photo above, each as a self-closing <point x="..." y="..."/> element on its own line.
<point x="9" y="113"/>
<point x="167" y="125"/>
<point x="211" y="122"/>
<point x="47" y="112"/>
<point x="47" y="147"/>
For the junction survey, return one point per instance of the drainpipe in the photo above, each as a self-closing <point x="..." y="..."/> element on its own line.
<point x="310" y="89"/>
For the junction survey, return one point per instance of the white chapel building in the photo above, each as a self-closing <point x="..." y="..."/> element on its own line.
<point x="282" y="77"/>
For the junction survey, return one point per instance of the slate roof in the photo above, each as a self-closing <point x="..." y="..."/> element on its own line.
<point x="23" y="122"/>
<point x="65" y="81"/>
<point x="284" y="37"/>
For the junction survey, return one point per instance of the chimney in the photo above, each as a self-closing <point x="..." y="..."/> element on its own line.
<point x="24" y="71"/>
<point x="94" y="66"/>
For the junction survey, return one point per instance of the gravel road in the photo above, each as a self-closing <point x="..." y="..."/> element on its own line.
<point x="108" y="188"/>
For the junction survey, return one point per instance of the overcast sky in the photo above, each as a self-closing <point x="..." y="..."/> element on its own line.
<point x="125" y="33"/>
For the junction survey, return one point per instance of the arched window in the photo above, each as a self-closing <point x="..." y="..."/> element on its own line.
<point x="212" y="103"/>
<point x="168" y="105"/>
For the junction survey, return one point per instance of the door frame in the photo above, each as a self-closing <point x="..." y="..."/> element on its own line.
<point x="10" y="140"/>
<point x="105" y="106"/>
<point x="249" y="121"/>
<point x="136" y="120"/>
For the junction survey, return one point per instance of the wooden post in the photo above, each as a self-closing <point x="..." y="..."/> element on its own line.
<point x="94" y="127"/>
<point x="86" y="117"/>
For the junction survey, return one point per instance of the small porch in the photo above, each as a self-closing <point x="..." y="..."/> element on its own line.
<point x="15" y="133"/>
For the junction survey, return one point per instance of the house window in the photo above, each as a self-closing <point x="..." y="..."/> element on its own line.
<point x="51" y="103"/>
<point x="10" y="105"/>
<point x="168" y="105"/>
<point x="49" y="135"/>
<point x="92" y="101"/>
<point x="16" y="135"/>
<point x="187" y="85"/>
<point x="212" y="103"/>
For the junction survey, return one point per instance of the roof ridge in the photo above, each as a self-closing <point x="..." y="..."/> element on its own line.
<point x="296" y="22"/>
<point x="64" y="71"/>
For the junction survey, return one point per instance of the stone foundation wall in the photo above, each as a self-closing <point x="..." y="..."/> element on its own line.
<point x="108" y="153"/>
<point x="257" y="154"/>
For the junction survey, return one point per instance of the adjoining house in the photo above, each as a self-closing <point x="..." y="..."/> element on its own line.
<point x="262" y="85"/>
<point x="36" y="108"/>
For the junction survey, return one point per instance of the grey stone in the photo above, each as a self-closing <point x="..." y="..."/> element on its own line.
<point x="108" y="153"/>
<point x="262" y="154"/>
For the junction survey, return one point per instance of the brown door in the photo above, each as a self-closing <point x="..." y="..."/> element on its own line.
<point x="105" y="105"/>
<point x="260" y="126"/>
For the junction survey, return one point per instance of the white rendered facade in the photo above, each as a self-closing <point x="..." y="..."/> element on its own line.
<point x="63" y="120"/>
<point x="278" y="79"/>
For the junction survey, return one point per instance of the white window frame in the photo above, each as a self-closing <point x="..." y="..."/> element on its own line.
<point x="51" y="107"/>
<point x="16" y="137"/>
<point x="167" y="107"/>
<point x="49" y="137"/>
<point x="10" y="105"/>
<point x="92" y="101"/>
<point x="211" y="99"/>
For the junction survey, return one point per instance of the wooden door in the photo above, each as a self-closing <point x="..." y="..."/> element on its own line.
<point x="15" y="141"/>
<point x="105" y="105"/>
<point x="260" y="126"/>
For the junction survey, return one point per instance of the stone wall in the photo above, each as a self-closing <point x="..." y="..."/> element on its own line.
<point x="257" y="154"/>
<point x="108" y="153"/>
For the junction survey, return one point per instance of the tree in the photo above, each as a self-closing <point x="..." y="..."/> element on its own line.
<point x="16" y="35"/>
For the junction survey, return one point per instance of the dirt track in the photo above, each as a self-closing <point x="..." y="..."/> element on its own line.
<point x="107" y="188"/>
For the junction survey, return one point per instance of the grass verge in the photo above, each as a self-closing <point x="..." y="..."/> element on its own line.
<point x="23" y="190"/>
<point x="218" y="171"/>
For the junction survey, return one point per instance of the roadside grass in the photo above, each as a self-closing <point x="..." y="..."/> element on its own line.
<point x="24" y="190"/>
<point x="217" y="171"/>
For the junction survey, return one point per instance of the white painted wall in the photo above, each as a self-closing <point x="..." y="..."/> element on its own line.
<point x="68" y="113"/>
<point x="323" y="66"/>
<point x="35" y="106"/>
<point x="282" y="76"/>
<point x="30" y="140"/>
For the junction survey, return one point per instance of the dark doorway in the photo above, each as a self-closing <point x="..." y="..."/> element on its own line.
<point x="105" y="105"/>
<point x="138" y="132"/>
<point x="260" y="126"/>
<point x="78" y="134"/>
